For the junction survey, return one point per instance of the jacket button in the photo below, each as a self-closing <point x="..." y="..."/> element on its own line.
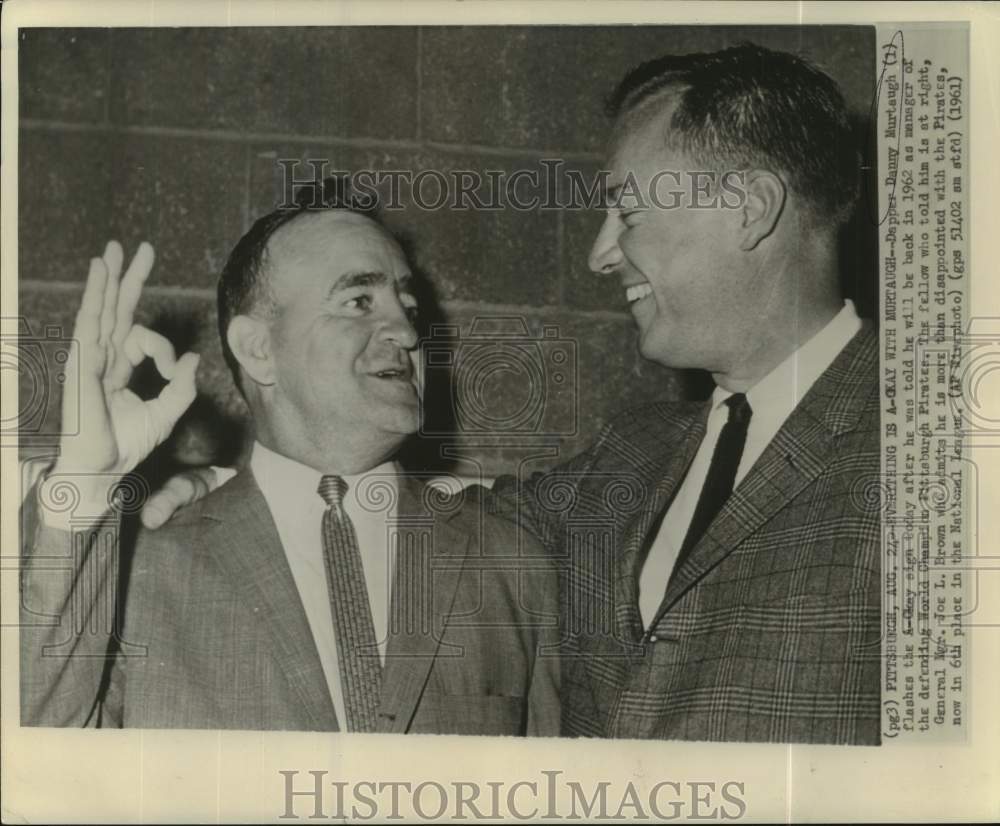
<point x="653" y="638"/>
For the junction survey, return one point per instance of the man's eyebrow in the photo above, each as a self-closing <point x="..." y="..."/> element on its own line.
<point x="366" y="278"/>
<point x="370" y="278"/>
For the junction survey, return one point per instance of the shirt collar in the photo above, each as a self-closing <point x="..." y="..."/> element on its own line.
<point x="292" y="487"/>
<point x="779" y="392"/>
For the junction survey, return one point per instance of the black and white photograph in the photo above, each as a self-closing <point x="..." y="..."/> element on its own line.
<point x="568" y="388"/>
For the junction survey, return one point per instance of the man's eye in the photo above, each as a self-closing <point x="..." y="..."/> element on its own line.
<point x="359" y="302"/>
<point x="412" y="313"/>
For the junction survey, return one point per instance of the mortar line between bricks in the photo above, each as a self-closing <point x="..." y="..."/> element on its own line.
<point x="236" y="136"/>
<point x="247" y="187"/>
<point x="563" y="273"/>
<point x="466" y="306"/>
<point x="453" y="305"/>
<point x="154" y="290"/>
<point x="419" y="131"/>
<point x="109" y="62"/>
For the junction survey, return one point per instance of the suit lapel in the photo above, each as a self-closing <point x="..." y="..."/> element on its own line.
<point x="430" y="553"/>
<point x="245" y="543"/>
<point x="802" y="448"/>
<point x="666" y="456"/>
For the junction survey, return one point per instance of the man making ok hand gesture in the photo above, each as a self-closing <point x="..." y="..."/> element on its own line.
<point x="117" y="428"/>
<point x="323" y="589"/>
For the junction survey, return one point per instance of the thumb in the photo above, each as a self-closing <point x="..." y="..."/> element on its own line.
<point x="180" y="490"/>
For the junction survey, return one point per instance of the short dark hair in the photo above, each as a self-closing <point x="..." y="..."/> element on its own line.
<point x="243" y="284"/>
<point x="749" y="106"/>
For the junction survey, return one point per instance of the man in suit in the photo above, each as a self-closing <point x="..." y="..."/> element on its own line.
<point x="720" y="561"/>
<point x="742" y="597"/>
<point x="321" y="589"/>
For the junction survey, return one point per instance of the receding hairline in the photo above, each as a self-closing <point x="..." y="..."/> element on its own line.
<point x="656" y="109"/>
<point x="651" y="117"/>
<point x="307" y="217"/>
<point x="661" y="103"/>
<point x="283" y="237"/>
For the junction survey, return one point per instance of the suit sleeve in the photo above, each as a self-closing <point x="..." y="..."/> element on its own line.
<point x="68" y="581"/>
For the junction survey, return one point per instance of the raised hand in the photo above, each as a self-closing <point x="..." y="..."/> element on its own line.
<point x="117" y="429"/>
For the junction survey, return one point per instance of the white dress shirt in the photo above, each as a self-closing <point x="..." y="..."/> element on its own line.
<point x="772" y="400"/>
<point x="290" y="489"/>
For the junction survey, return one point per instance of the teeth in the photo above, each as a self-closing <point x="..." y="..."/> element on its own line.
<point x="637" y="291"/>
<point x="386" y="373"/>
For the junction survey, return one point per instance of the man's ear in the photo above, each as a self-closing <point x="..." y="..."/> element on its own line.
<point x="765" y="200"/>
<point x="250" y="340"/>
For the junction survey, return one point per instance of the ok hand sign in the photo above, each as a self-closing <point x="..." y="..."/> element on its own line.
<point x="117" y="429"/>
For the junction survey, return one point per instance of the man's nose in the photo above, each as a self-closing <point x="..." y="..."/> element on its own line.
<point x="400" y="329"/>
<point x="605" y="254"/>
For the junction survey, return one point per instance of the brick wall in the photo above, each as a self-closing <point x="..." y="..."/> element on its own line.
<point x="172" y="135"/>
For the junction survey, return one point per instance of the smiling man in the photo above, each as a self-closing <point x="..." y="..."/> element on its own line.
<point x="737" y="575"/>
<point x="319" y="589"/>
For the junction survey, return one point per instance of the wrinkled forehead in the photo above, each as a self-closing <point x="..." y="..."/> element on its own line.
<point x="331" y="242"/>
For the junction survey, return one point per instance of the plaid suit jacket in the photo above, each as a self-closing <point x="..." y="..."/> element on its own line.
<point x="212" y="632"/>
<point x="770" y="629"/>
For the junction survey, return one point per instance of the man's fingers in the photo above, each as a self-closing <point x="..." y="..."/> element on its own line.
<point x="114" y="257"/>
<point x="113" y="263"/>
<point x="179" y="491"/>
<point x="83" y="401"/>
<point x="130" y="290"/>
<point x="142" y="342"/>
<point x="180" y="391"/>
<point x="88" y="318"/>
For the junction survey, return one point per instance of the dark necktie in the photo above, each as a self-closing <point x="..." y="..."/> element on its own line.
<point x="357" y="648"/>
<point x="721" y="473"/>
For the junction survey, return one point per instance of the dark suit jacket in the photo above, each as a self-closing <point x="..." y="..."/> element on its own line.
<point x="770" y="629"/>
<point x="214" y="634"/>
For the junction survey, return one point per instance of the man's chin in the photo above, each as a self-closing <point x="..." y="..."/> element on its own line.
<point x="673" y="358"/>
<point x="657" y="351"/>
<point x="402" y="419"/>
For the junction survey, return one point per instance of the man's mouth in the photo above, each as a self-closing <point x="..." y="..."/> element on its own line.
<point x="394" y="373"/>
<point x="637" y="292"/>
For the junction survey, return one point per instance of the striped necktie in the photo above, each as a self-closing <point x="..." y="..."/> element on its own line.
<point x="357" y="648"/>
